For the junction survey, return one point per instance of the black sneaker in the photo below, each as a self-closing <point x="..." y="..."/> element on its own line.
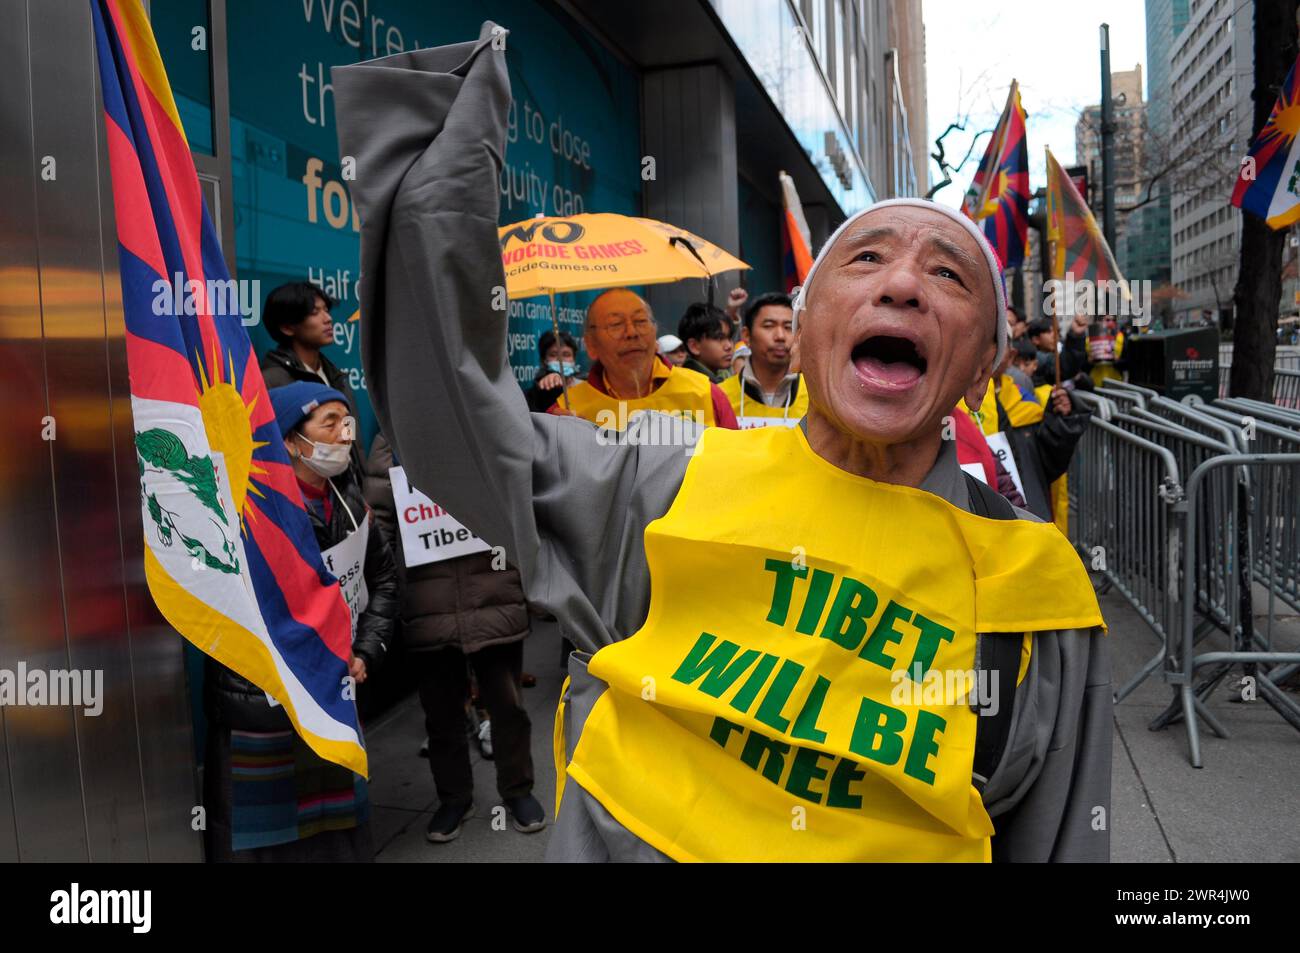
<point x="447" y="822"/>
<point x="526" y="813"/>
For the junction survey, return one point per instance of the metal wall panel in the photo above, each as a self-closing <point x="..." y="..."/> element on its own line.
<point x="64" y="120"/>
<point x="120" y="785"/>
<point x="40" y="743"/>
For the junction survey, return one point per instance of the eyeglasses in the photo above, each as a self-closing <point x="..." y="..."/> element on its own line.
<point x="640" y="325"/>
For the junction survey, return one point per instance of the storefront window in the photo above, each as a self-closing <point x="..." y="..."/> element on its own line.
<point x="769" y="36"/>
<point x="184" y="35"/>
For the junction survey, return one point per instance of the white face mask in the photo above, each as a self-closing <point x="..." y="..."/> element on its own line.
<point x="327" y="459"/>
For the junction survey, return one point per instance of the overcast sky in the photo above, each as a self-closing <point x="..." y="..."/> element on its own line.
<point x="974" y="49"/>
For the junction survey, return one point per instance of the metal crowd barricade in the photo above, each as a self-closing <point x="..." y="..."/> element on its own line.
<point x="1111" y="384"/>
<point x="1225" y="375"/>
<point x="1260" y="410"/>
<point x="1122" y="489"/>
<point x="1193" y="418"/>
<point x="1227" y="545"/>
<point x="1275" y="558"/>
<point x="1099" y="405"/>
<point x="1124" y="399"/>
<point x="1286" y="387"/>
<point x="1190" y="449"/>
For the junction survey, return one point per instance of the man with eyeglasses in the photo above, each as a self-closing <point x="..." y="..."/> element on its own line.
<point x="629" y="376"/>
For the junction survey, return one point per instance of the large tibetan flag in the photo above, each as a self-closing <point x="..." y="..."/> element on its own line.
<point x="998" y="197"/>
<point x="1080" y="248"/>
<point x="230" y="555"/>
<point x="1269" y="182"/>
<point x="796" y="240"/>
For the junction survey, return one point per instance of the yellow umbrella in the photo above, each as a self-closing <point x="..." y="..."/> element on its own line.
<point x="602" y="250"/>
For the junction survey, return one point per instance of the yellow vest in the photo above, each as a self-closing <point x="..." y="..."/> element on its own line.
<point x="779" y="703"/>
<point x="683" y="392"/>
<point x="746" y="407"/>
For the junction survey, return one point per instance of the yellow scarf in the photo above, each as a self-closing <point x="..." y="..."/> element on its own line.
<point x="682" y="393"/>
<point x="777" y="703"/>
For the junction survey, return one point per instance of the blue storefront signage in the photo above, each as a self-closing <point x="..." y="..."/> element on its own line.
<point x="573" y="141"/>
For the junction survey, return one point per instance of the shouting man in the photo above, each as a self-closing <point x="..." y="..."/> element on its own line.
<point x="870" y="683"/>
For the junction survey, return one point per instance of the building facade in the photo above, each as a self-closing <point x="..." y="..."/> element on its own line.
<point x="1130" y="118"/>
<point x="1165" y="21"/>
<point x="683" y="110"/>
<point x="1211" y="65"/>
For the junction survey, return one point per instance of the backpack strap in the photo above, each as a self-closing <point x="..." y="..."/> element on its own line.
<point x="997" y="655"/>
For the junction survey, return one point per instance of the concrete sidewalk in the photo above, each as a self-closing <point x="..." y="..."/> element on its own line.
<point x="1241" y="807"/>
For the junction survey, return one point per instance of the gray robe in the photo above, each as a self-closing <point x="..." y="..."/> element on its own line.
<point x="570" y="507"/>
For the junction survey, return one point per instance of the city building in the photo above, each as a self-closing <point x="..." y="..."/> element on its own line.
<point x="1165" y="20"/>
<point x="1130" y="118"/>
<point x="1211" y="65"/>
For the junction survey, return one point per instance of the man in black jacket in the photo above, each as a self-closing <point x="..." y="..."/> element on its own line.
<point x="297" y="316"/>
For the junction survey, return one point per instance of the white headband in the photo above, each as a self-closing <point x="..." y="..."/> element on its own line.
<point x="995" y="267"/>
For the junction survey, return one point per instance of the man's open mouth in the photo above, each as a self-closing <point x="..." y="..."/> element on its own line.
<point x="888" y="361"/>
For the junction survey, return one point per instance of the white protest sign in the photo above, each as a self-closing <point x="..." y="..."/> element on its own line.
<point x="429" y="533"/>
<point x="1001" y="448"/>
<point x="346" y="561"/>
<point x="976" y="470"/>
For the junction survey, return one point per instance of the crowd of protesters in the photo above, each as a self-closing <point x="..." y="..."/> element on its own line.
<point x="460" y="623"/>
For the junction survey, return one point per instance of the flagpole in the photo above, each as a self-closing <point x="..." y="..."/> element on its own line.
<point x="1056" y="321"/>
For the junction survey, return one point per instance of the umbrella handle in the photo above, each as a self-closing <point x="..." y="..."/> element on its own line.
<point x="555" y="326"/>
<point x="708" y="280"/>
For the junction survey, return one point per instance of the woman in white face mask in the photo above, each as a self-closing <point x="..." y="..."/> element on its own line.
<point x="323" y="814"/>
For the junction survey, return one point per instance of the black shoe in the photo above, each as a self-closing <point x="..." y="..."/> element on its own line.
<point x="526" y="814"/>
<point x="447" y="822"/>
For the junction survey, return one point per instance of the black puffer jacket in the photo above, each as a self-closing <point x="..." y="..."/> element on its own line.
<point x="281" y="366"/>
<point x="235" y="702"/>
<point x="466" y="602"/>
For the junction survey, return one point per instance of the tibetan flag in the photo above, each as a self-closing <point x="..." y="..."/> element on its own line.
<point x="998" y="198"/>
<point x="230" y="555"/>
<point x="1081" y="251"/>
<point x="796" y="241"/>
<point x="1268" y="185"/>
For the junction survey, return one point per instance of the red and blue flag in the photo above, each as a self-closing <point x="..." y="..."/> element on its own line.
<point x="1268" y="184"/>
<point x="998" y="198"/>
<point x="230" y="556"/>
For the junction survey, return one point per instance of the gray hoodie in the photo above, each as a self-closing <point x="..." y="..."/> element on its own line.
<point x="427" y="129"/>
